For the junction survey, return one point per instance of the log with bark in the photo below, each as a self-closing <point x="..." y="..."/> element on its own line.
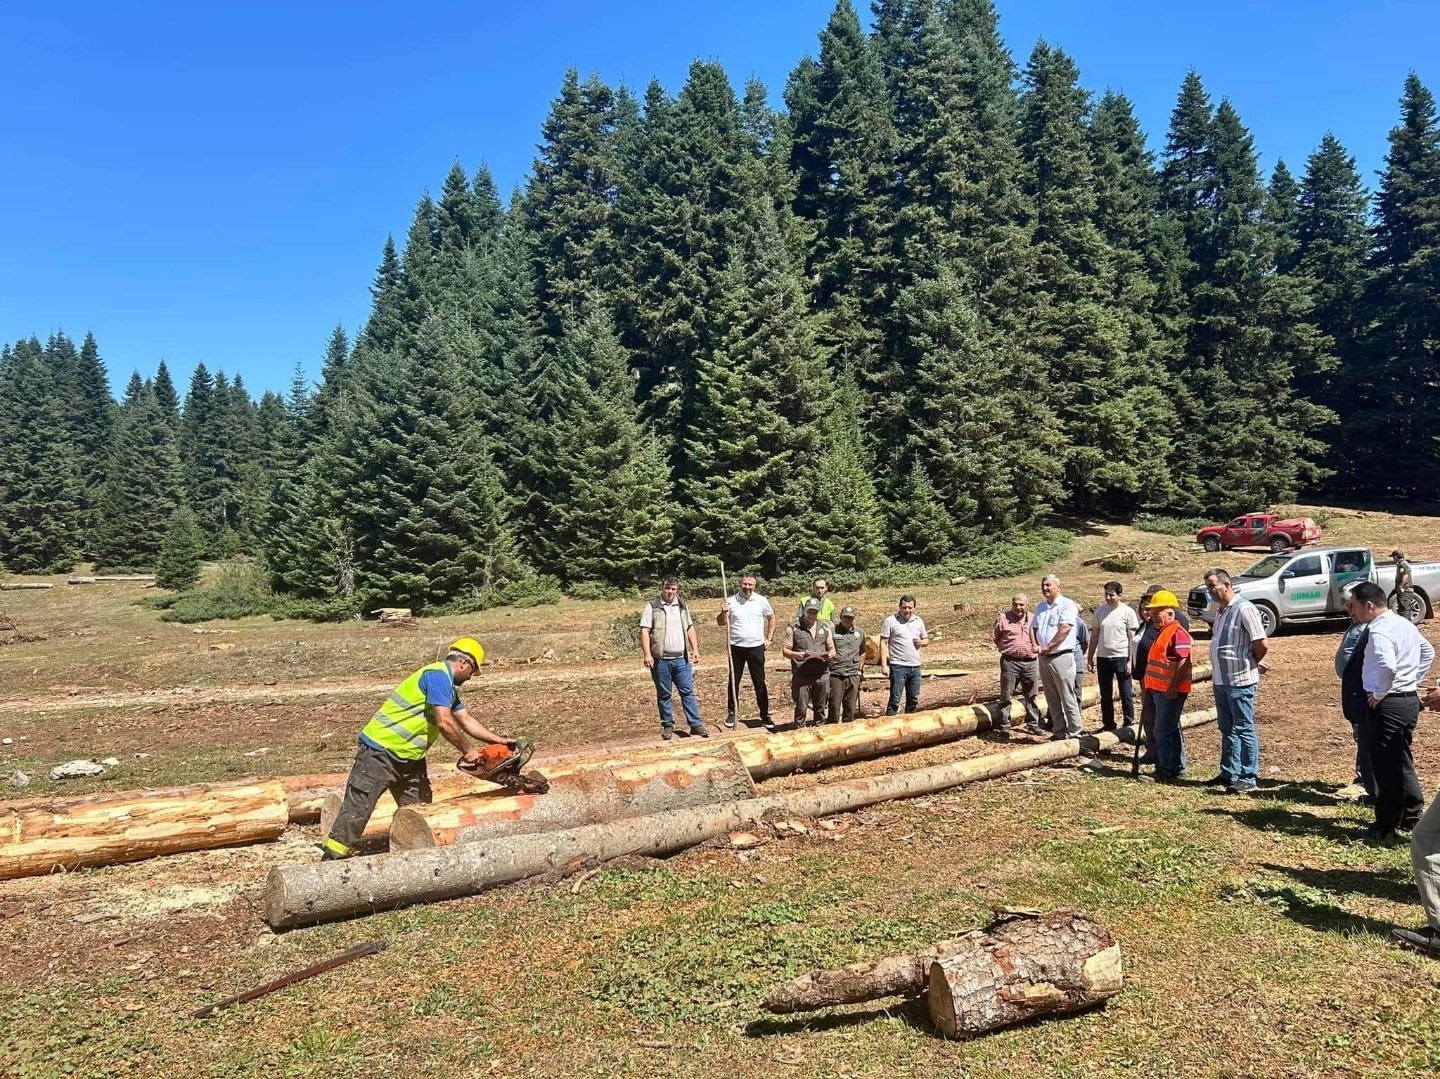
<point x="40" y="835"/>
<point x="25" y="586"/>
<point x="1022" y="966"/>
<point x="591" y="796"/>
<point x="305" y="894"/>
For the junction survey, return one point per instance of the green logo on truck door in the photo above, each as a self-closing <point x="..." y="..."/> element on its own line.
<point x="1312" y="594"/>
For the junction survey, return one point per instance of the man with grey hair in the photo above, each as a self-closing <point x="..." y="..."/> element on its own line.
<point x="1237" y="658"/>
<point x="1052" y="630"/>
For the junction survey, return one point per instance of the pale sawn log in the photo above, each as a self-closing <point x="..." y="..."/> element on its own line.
<point x="40" y="835"/>
<point x="304" y="894"/>
<point x="1024" y="967"/>
<point x="591" y="796"/>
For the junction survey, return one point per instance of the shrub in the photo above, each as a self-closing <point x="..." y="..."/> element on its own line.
<point x="535" y="591"/>
<point x="595" y="590"/>
<point x="1120" y="563"/>
<point x="238" y="590"/>
<point x="1170" y="526"/>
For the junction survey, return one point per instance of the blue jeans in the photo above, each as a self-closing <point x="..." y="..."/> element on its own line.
<point x="1239" y="743"/>
<point x="907" y="679"/>
<point x="1169" y="741"/>
<point x="676" y="673"/>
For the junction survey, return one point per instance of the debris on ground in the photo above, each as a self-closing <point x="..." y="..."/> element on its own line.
<point x="77" y="769"/>
<point x="19" y="780"/>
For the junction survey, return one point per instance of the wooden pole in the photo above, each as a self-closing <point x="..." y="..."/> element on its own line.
<point x="732" y="687"/>
<point x="306" y="894"/>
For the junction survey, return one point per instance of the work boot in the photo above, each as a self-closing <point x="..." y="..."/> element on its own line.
<point x="729" y="723"/>
<point x="700" y="732"/>
<point x="667" y="732"/>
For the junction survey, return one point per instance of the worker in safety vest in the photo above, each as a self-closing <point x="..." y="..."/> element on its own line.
<point x="391" y="755"/>
<point x="1167" y="684"/>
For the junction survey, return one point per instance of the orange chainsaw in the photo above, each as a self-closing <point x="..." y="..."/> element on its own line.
<point x="502" y="764"/>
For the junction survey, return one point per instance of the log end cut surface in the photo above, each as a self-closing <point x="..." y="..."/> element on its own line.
<point x="1024" y="968"/>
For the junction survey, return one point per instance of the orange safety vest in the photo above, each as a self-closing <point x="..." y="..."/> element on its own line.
<point x="1160" y="668"/>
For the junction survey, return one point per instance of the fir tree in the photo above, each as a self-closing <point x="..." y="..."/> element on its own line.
<point x="143" y="487"/>
<point x="165" y="395"/>
<point x="1397" y="393"/>
<point x="41" y="496"/>
<point x="177" y="565"/>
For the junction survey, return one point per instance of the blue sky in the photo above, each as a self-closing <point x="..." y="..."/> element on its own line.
<point x="213" y="182"/>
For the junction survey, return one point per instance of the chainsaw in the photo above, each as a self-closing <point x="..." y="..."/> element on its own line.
<point x="502" y="764"/>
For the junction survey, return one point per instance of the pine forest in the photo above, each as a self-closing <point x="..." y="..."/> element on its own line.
<point x="930" y="298"/>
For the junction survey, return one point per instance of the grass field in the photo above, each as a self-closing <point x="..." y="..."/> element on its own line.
<point x="1254" y="930"/>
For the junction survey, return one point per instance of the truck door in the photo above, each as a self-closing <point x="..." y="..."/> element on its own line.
<point x="1304" y="587"/>
<point x="1348" y="566"/>
<point x="1257" y="532"/>
<point x="1236" y="534"/>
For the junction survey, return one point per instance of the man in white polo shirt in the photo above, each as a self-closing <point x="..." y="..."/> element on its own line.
<point x="752" y="630"/>
<point x="902" y="635"/>
<point x="1053" y="626"/>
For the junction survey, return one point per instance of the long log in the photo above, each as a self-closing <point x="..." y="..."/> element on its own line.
<point x="448" y="784"/>
<point x="40" y="835"/>
<point x="24" y="587"/>
<point x="585" y="797"/>
<point x="1024" y="968"/>
<point x="325" y="891"/>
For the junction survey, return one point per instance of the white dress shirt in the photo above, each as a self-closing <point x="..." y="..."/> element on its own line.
<point x="1397" y="657"/>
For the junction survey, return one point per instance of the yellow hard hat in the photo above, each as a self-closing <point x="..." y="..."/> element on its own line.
<point x="1163" y="598"/>
<point x="471" y="649"/>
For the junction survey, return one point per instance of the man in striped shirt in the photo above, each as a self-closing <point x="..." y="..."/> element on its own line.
<point x="1237" y="656"/>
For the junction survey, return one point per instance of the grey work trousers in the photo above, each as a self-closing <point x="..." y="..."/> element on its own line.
<point x="810" y="691"/>
<point x="1425" y="857"/>
<point x="844" y="697"/>
<point x="1024" y="674"/>
<point x="1057" y="675"/>
<point x="373" y="773"/>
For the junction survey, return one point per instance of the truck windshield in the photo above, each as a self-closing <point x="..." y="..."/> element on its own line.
<point x="1269" y="566"/>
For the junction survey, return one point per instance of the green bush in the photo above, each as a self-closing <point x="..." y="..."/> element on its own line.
<point x="238" y="590"/>
<point x="1122" y="563"/>
<point x="596" y="590"/>
<point x="1171" y="526"/>
<point x="537" y="591"/>
<point x="340" y="609"/>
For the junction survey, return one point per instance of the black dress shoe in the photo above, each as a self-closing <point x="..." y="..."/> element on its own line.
<point x="1217" y="781"/>
<point x="1384" y="837"/>
<point x="1424" y="940"/>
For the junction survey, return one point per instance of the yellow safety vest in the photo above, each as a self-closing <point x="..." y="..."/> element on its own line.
<point x="405" y="725"/>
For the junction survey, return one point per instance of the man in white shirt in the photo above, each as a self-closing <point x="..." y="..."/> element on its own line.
<point x="752" y="630"/>
<point x="1112" y="643"/>
<point x="1053" y="625"/>
<point x="902" y="635"/>
<point x="1396" y="659"/>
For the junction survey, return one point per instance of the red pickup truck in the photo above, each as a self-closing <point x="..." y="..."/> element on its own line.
<point x="1260" y="530"/>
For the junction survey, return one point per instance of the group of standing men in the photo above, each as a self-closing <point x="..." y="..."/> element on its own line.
<point x="1152" y="646"/>
<point x="825" y="647"/>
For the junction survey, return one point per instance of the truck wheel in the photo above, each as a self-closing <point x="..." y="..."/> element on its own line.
<point x="1279" y="543"/>
<point x="1411" y="606"/>
<point x="1211" y="544"/>
<point x="1268" y="618"/>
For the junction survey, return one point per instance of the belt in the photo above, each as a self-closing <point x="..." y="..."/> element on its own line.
<point x="672" y="655"/>
<point x="1023" y="659"/>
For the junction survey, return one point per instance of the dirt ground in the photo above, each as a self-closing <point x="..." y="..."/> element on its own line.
<point x="1254" y="929"/>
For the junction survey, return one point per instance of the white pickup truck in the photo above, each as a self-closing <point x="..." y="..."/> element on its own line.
<point x="1306" y="586"/>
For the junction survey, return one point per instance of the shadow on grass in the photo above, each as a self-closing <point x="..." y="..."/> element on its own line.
<point x="913" y="1013"/>
<point x="1394" y="886"/>
<point x="1287" y="821"/>
<point x="1315" y="913"/>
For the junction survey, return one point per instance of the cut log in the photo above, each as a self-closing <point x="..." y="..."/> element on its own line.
<point x="305" y="795"/>
<point x="895" y="975"/>
<point x="325" y="891"/>
<point x="114" y="578"/>
<point x="584" y="797"/>
<point x="40" y="835"/>
<point x="1022" y="968"/>
<point x="27" y="586"/>
<point x="447" y="784"/>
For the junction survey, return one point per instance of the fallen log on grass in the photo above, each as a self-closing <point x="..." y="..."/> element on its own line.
<point x="1022" y="966"/>
<point x="584" y="797"/>
<point x="325" y="891"/>
<point x="40" y="835"/>
<point x="25" y="586"/>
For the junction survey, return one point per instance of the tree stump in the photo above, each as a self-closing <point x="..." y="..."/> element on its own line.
<point x="1024" y="967"/>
